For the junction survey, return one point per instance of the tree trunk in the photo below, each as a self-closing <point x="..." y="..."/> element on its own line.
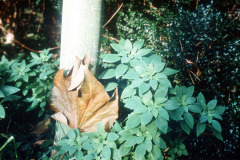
<point x="81" y="25"/>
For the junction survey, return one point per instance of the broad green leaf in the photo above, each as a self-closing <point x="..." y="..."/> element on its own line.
<point x="146" y="118"/>
<point x="111" y="86"/>
<point x="161" y="92"/>
<point x="133" y="121"/>
<point x="125" y="59"/>
<point x="157" y="154"/>
<point x="128" y="92"/>
<point x="162" y="124"/>
<point x="185" y="127"/>
<point x="203" y="118"/>
<point x="87" y="146"/>
<point x="2" y="112"/>
<point x="131" y="141"/>
<point x="209" y="118"/>
<point x="190" y="100"/>
<point x="107" y="74"/>
<point x="220" y="109"/>
<point x="128" y="45"/>
<point x="165" y="82"/>
<point x="176" y="114"/>
<point x="216" y="125"/>
<point x="140" y="109"/>
<point x="178" y="91"/>
<point x="120" y="70"/>
<point x="217" y="134"/>
<point x="79" y="155"/>
<point x="218" y="116"/>
<point x="164" y="113"/>
<point x="160" y="142"/>
<point x="71" y="134"/>
<point x="133" y="102"/>
<point x="153" y="83"/>
<point x="201" y="100"/>
<point x="106" y="152"/>
<point x="117" y="47"/>
<point x="200" y="128"/>
<point x="195" y="108"/>
<point x="72" y="149"/>
<point x="112" y="137"/>
<point x="147" y="98"/>
<point x="143" y="52"/>
<point x="158" y="67"/>
<point x="8" y="90"/>
<point x="171" y="105"/>
<point x="144" y="87"/>
<point x="212" y="104"/>
<point x="160" y="76"/>
<point x="169" y="71"/>
<point x="189" y="91"/>
<point x="138" y="44"/>
<point x="131" y="74"/>
<point x="140" y="151"/>
<point x="148" y="144"/>
<point x="124" y="150"/>
<point x="110" y="58"/>
<point x="137" y="82"/>
<point x="189" y="120"/>
<point x="1" y="94"/>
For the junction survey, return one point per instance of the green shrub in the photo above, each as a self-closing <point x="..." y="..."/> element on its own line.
<point x="158" y="113"/>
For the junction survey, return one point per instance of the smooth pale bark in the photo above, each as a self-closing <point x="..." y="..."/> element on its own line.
<point x="81" y="25"/>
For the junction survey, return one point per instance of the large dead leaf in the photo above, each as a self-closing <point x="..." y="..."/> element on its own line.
<point x="83" y="100"/>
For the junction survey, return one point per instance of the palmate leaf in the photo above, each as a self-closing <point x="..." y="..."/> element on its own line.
<point x="83" y="106"/>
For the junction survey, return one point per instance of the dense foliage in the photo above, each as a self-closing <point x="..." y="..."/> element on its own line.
<point x="200" y="39"/>
<point x="158" y="114"/>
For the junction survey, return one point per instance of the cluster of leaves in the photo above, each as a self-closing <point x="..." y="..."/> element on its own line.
<point x="25" y="86"/>
<point x="159" y="113"/>
<point x="201" y="40"/>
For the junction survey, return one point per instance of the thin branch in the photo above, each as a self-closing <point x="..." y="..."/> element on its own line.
<point x="180" y="44"/>
<point x="191" y="78"/>
<point x="193" y="74"/>
<point x="115" y="39"/>
<point x="41" y="16"/>
<point x="113" y="15"/>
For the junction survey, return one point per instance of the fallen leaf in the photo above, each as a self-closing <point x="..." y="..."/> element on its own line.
<point x="41" y="127"/>
<point x="83" y="100"/>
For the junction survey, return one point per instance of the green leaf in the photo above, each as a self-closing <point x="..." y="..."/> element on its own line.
<point x="112" y="137"/>
<point x="195" y="108"/>
<point x="133" y="102"/>
<point x="160" y="142"/>
<point x="128" y="92"/>
<point x="110" y="58"/>
<point x="169" y="71"/>
<point x="106" y="151"/>
<point x="146" y="118"/>
<point x="165" y="82"/>
<point x="171" y="105"/>
<point x="1" y="94"/>
<point x="72" y="149"/>
<point x="209" y="118"/>
<point x="140" y="151"/>
<point x="138" y="44"/>
<point x="131" y="141"/>
<point x="189" y="120"/>
<point x="8" y="90"/>
<point x="148" y="144"/>
<point x="203" y="118"/>
<point x="79" y="155"/>
<point x="201" y="100"/>
<point x="71" y="134"/>
<point x="128" y="45"/>
<point x="143" y="52"/>
<point x="158" y="67"/>
<point x="2" y="112"/>
<point x="87" y="146"/>
<point x="120" y="70"/>
<point x="220" y="109"/>
<point x="100" y="128"/>
<point x="117" y="47"/>
<point x="147" y="98"/>
<point x="124" y="150"/>
<point x="153" y="83"/>
<point x="218" y="116"/>
<point x="217" y="134"/>
<point x="111" y="86"/>
<point x="137" y="82"/>
<point x="131" y="74"/>
<point x="212" y="104"/>
<point x="144" y="87"/>
<point x="189" y="91"/>
<point x="176" y="114"/>
<point x="200" y="128"/>
<point x="133" y="121"/>
<point x="164" y="113"/>
<point x="216" y="125"/>
<point x="107" y="74"/>
<point x="157" y="154"/>
<point x="162" y="124"/>
<point x="190" y="100"/>
<point x="185" y="127"/>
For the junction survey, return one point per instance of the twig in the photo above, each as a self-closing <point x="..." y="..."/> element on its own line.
<point x="41" y="16"/>
<point x="113" y="15"/>
<point x="191" y="78"/>
<point x="115" y="39"/>
<point x="180" y="44"/>
<point x="193" y="74"/>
